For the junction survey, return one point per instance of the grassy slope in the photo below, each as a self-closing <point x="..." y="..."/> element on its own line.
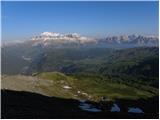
<point x="95" y="87"/>
<point x="36" y="85"/>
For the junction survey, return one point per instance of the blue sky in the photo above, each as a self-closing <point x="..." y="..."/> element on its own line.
<point x="21" y="20"/>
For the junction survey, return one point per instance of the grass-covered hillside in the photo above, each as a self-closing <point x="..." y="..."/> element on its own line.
<point x="78" y="86"/>
<point x="48" y="92"/>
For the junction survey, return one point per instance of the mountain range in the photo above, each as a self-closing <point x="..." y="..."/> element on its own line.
<point x="74" y="39"/>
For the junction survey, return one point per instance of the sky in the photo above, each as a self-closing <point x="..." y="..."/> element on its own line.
<point x="22" y="20"/>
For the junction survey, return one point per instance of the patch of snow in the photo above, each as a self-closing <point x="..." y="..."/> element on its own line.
<point x="49" y="34"/>
<point x="62" y="38"/>
<point x="115" y="108"/>
<point x="135" y="110"/>
<point x="78" y="91"/>
<point x="88" y="107"/>
<point x="66" y="87"/>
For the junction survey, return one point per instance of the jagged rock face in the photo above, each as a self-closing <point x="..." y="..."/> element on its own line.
<point x="48" y="38"/>
<point x="52" y="39"/>
<point x="133" y="39"/>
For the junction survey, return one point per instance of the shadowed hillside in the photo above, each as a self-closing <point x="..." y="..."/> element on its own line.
<point x="30" y="105"/>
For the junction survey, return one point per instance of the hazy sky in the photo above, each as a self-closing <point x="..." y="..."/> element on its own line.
<point x="21" y="20"/>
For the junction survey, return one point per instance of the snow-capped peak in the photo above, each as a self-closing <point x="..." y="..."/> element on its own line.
<point x="49" y="34"/>
<point x="71" y="39"/>
<point x="51" y="37"/>
<point x="57" y="36"/>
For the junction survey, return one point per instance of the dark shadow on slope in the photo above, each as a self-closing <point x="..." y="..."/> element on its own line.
<point x="149" y="107"/>
<point x="31" y="105"/>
